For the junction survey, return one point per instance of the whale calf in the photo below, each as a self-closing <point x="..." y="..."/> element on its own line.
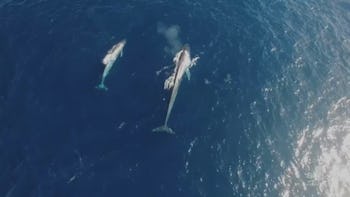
<point x="111" y="56"/>
<point x="183" y="63"/>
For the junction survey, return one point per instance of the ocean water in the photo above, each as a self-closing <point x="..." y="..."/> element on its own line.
<point x="266" y="112"/>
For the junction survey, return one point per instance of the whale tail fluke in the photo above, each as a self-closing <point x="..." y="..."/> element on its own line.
<point x="102" y="86"/>
<point x="163" y="128"/>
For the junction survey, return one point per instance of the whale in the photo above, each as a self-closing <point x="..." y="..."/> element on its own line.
<point x="108" y="61"/>
<point x="183" y="63"/>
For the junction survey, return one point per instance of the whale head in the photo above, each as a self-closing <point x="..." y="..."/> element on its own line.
<point x="122" y="42"/>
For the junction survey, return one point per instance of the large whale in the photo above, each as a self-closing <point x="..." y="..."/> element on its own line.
<point x="183" y="63"/>
<point x="109" y="59"/>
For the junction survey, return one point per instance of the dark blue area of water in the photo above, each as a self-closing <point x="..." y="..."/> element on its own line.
<point x="60" y="135"/>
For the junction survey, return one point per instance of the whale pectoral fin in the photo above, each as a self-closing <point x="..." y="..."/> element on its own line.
<point x="188" y="74"/>
<point x="176" y="58"/>
<point x="169" y="83"/>
<point x="194" y="61"/>
<point x="121" y="53"/>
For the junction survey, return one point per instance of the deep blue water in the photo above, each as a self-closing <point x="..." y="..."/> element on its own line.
<point x="265" y="112"/>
